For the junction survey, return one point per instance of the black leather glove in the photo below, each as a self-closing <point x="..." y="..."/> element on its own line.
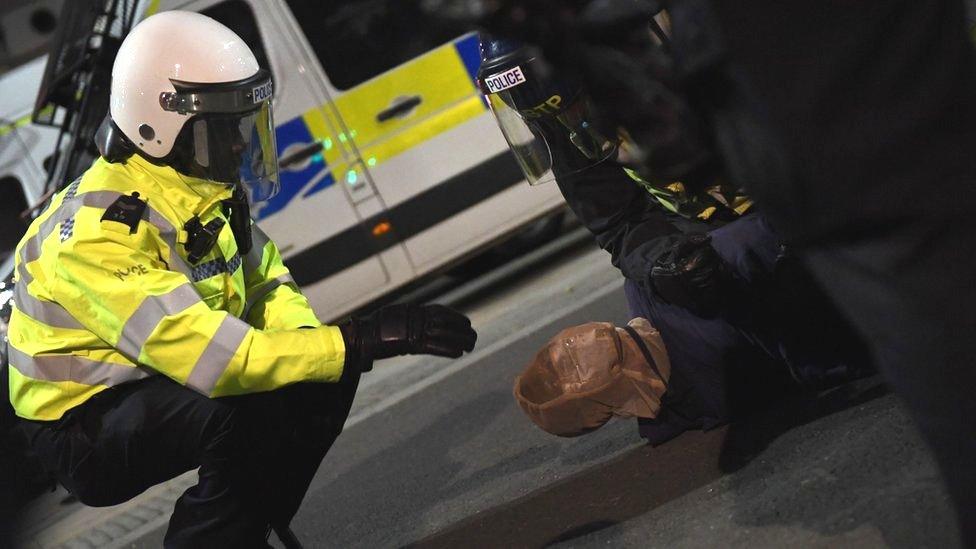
<point x="407" y="329"/>
<point x="691" y="275"/>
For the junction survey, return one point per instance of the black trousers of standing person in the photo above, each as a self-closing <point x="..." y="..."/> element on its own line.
<point x="869" y="109"/>
<point x="911" y="293"/>
<point x="256" y="453"/>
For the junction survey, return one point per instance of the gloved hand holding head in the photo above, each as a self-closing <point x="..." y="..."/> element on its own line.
<point x="188" y="93"/>
<point x="693" y="276"/>
<point x="592" y="372"/>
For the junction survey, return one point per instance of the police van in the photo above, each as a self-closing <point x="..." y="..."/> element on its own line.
<point x="392" y="167"/>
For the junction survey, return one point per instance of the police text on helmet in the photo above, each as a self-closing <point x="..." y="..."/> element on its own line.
<point x="504" y="80"/>
<point x="261" y="93"/>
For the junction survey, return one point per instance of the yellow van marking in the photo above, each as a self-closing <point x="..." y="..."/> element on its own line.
<point x="438" y="77"/>
<point x="384" y="150"/>
<point x="354" y="141"/>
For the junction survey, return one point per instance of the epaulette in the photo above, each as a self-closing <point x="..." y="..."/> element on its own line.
<point x="127" y="210"/>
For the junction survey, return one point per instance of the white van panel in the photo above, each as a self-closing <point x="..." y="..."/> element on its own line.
<point x="18" y="89"/>
<point x="24" y="146"/>
<point x="481" y="224"/>
<point x="408" y="175"/>
<point x="467" y="145"/>
<point x="304" y="222"/>
<point x="341" y="293"/>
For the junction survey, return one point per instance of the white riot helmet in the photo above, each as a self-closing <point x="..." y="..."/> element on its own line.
<point x="188" y="93"/>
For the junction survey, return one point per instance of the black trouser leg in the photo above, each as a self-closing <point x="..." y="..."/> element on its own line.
<point x="305" y="419"/>
<point x="7" y="492"/>
<point x="319" y="435"/>
<point x="132" y="437"/>
<point x="127" y="439"/>
<point x="135" y="436"/>
<point x="281" y="438"/>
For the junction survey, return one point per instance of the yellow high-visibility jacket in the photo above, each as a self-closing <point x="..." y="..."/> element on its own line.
<point x="97" y="305"/>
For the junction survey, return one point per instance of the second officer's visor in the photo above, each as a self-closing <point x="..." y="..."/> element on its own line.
<point x="232" y="132"/>
<point x="524" y="102"/>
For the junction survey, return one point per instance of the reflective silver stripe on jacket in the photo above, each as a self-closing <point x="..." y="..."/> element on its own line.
<point x="262" y="292"/>
<point x="252" y="261"/>
<point x="45" y="312"/>
<point x="150" y="313"/>
<point x="74" y="368"/>
<point x="168" y="232"/>
<point x="218" y="355"/>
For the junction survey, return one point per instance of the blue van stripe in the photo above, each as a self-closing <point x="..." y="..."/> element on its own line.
<point x="469" y="49"/>
<point x="292" y="182"/>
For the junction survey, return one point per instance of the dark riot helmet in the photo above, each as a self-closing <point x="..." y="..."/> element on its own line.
<point x="535" y="107"/>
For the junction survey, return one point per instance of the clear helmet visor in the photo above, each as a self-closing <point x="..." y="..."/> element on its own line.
<point x="239" y="149"/>
<point x="230" y="137"/>
<point x="531" y="110"/>
<point x="527" y="143"/>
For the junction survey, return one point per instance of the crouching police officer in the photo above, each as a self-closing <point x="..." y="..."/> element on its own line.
<point x="700" y="265"/>
<point x="144" y="293"/>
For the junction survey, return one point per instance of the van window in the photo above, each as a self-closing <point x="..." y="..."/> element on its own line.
<point x="356" y="40"/>
<point x="238" y="17"/>
<point x="26" y="29"/>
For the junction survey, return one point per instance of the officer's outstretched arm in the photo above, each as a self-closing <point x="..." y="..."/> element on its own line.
<point x="274" y="302"/>
<point x="119" y="288"/>
<point x="116" y="286"/>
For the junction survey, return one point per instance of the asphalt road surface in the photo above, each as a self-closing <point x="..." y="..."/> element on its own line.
<point x="458" y="465"/>
<point x="436" y="454"/>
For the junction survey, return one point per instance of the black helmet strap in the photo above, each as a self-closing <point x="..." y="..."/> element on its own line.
<point x="239" y="212"/>
<point x="112" y="143"/>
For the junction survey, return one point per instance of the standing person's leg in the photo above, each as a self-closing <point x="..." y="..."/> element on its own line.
<point x="909" y="290"/>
